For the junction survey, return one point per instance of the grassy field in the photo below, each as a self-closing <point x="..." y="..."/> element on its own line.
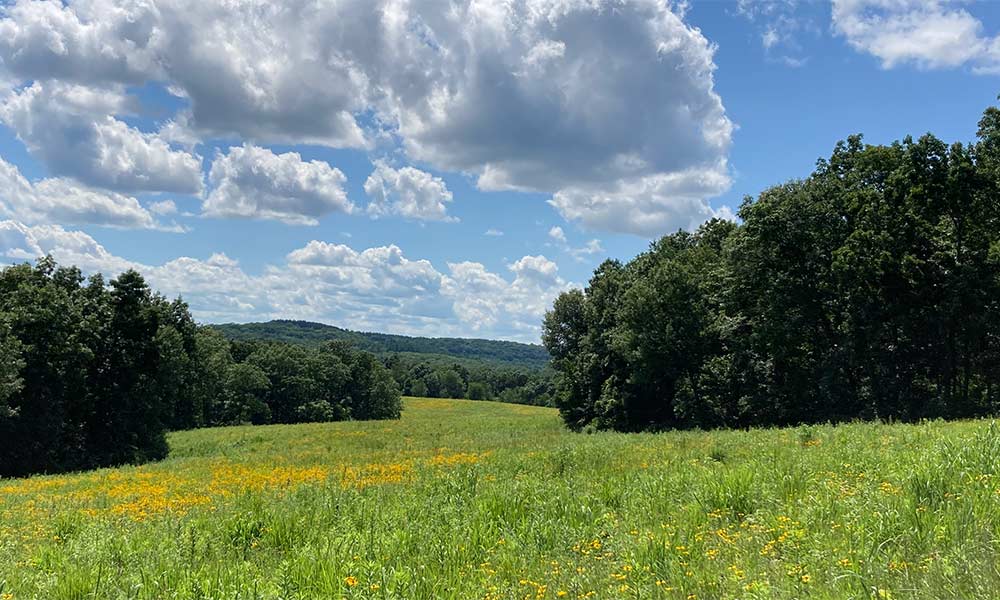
<point x="483" y="500"/>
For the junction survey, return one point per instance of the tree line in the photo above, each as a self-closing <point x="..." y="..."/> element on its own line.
<point x="460" y="349"/>
<point x="442" y="377"/>
<point x="868" y="290"/>
<point x="502" y="371"/>
<point x="94" y="374"/>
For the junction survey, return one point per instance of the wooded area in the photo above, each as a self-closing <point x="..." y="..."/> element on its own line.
<point x="869" y="290"/>
<point x="94" y="374"/>
<point x="430" y="367"/>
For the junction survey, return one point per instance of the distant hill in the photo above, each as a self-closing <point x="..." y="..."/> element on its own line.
<point x="305" y="332"/>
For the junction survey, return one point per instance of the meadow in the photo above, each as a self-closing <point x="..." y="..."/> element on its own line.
<point x="464" y="500"/>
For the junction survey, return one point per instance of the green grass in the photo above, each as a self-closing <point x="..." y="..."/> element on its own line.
<point x="485" y="500"/>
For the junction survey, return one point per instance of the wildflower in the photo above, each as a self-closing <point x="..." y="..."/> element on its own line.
<point x="806" y="578"/>
<point x="351" y="581"/>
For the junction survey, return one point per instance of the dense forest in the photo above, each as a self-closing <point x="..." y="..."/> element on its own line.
<point x="94" y="373"/>
<point x="431" y="367"/>
<point x="443" y="377"/>
<point x="305" y="332"/>
<point x="869" y="290"/>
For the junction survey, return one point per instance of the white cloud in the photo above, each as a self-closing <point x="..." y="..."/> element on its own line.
<point x="376" y="289"/>
<point x="71" y="129"/>
<point x="163" y="207"/>
<point x="590" y="248"/>
<point x="929" y="34"/>
<point x="88" y="42"/>
<point x="652" y="205"/>
<point x="19" y="242"/>
<point x="485" y="301"/>
<point x="407" y="192"/>
<point x="380" y="273"/>
<point x="769" y="38"/>
<point x="253" y="182"/>
<point x="780" y="24"/>
<point x="578" y="98"/>
<point x="62" y="201"/>
<point x="493" y="233"/>
<point x="273" y="72"/>
<point x="551" y="96"/>
<point x="557" y="234"/>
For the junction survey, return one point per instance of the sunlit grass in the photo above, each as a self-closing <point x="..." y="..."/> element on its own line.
<point x="485" y="500"/>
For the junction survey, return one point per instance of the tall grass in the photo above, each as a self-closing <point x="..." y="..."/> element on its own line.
<point x="483" y="500"/>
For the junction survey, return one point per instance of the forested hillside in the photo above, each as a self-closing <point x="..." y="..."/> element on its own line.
<point x="430" y="367"/>
<point x="305" y="332"/>
<point x="870" y="289"/>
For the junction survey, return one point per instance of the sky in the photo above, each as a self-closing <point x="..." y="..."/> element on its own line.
<point x="440" y="168"/>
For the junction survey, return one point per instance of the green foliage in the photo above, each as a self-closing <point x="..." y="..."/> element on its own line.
<point x="94" y="374"/>
<point x="10" y="369"/>
<point x="451" y="384"/>
<point x="440" y="377"/>
<point x="83" y="386"/>
<point x="868" y="290"/>
<point x="246" y="388"/>
<point x="423" y="367"/>
<point x="477" y="390"/>
<point x="419" y="388"/>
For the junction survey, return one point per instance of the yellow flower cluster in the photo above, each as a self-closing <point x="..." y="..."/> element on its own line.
<point x="375" y="474"/>
<point x="228" y="479"/>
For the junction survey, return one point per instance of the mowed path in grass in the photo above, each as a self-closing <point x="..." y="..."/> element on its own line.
<point x="467" y="500"/>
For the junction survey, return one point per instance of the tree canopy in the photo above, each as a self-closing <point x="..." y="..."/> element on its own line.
<point x="94" y="374"/>
<point x="868" y="290"/>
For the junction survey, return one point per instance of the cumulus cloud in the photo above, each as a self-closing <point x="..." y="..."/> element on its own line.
<point x="20" y="242"/>
<point x="373" y="289"/>
<point x="88" y="42"/>
<point x="407" y="192"/>
<point x="257" y="70"/>
<point x="381" y="271"/>
<point x="551" y="96"/>
<point x="163" y="207"/>
<point x="483" y="300"/>
<point x="60" y="200"/>
<point x="71" y="129"/>
<point x="253" y="182"/>
<point x="270" y="71"/>
<point x="578" y="98"/>
<point x="930" y="34"/>
<point x="651" y="205"/>
<point x="493" y="233"/>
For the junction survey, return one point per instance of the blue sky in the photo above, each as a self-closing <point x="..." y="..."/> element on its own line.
<point x="396" y="167"/>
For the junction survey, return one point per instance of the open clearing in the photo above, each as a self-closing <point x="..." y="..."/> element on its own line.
<point x="467" y="500"/>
